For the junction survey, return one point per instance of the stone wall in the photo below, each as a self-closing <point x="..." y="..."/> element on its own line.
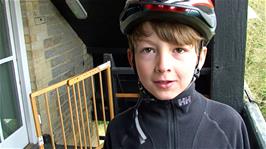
<point x="54" y="51"/>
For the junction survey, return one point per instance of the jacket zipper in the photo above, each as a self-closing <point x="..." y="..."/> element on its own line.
<point x="172" y="124"/>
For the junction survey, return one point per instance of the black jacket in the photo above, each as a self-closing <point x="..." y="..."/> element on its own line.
<point x="187" y="122"/>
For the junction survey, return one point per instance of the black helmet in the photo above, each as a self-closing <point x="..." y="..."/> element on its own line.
<point x="198" y="14"/>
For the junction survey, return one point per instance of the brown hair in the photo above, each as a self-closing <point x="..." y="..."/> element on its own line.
<point x="171" y="32"/>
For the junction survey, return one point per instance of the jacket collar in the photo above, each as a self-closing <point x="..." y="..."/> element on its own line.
<point x="181" y="101"/>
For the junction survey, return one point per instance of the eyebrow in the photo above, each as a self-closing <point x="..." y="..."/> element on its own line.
<point x="143" y="39"/>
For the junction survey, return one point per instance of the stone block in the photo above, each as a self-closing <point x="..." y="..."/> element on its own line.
<point x="48" y="42"/>
<point x="57" y="60"/>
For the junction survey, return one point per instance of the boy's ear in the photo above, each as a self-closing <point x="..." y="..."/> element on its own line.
<point x="130" y="55"/>
<point x="203" y="54"/>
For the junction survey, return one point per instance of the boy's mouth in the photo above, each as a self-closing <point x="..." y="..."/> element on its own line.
<point x="164" y="84"/>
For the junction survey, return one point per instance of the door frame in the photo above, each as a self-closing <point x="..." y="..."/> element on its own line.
<point x="13" y="12"/>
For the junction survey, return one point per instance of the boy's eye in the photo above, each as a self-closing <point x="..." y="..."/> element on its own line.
<point x="148" y="50"/>
<point x="179" y="50"/>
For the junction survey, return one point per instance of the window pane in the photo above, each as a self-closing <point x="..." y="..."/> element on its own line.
<point x="4" y="50"/>
<point x="9" y="106"/>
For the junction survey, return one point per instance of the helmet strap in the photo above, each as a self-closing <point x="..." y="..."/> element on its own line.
<point x="196" y="74"/>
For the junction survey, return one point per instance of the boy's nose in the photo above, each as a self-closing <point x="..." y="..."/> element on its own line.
<point x="163" y="63"/>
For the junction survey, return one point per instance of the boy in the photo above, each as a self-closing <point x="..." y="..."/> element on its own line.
<point x="167" y="49"/>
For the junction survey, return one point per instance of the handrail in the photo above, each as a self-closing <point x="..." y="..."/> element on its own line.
<point x="127" y="95"/>
<point x="70" y="117"/>
<point x="254" y="115"/>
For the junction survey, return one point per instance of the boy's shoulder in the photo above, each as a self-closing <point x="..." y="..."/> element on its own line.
<point x="224" y="125"/>
<point x="222" y="113"/>
<point x="123" y="118"/>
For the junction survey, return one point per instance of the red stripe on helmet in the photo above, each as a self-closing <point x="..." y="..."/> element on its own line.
<point x="165" y="8"/>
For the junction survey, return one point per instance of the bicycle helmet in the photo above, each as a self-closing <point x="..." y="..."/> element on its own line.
<point x="198" y="14"/>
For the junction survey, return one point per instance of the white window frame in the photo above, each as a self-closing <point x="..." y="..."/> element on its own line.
<point x="23" y="69"/>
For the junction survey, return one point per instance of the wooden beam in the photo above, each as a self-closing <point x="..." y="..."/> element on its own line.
<point x="228" y="52"/>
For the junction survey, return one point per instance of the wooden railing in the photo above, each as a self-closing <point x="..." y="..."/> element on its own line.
<point x="68" y="112"/>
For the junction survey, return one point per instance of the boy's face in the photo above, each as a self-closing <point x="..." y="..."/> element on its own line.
<point x="164" y="69"/>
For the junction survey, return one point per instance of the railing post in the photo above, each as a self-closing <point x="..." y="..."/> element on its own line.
<point x="110" y="91"/>
<point x="37" y="122"/>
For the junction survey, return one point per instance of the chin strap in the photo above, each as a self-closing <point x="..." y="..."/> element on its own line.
<point x="196" y="74"/>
